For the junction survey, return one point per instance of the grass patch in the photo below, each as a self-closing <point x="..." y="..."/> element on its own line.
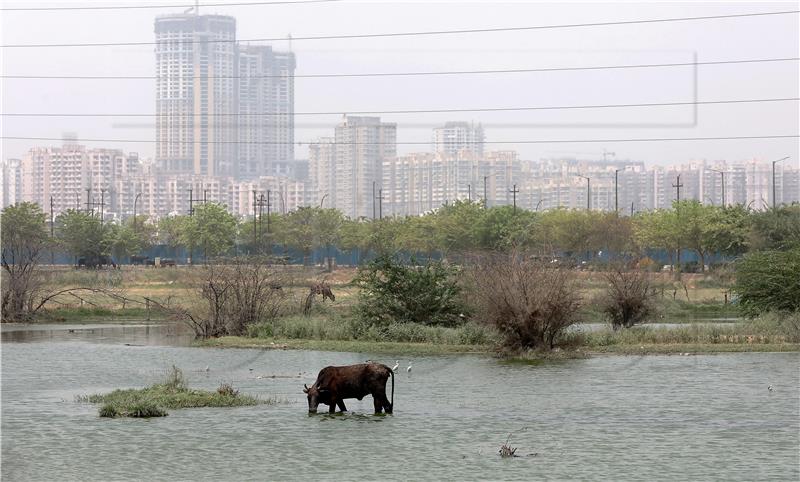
<point x="335" y="327"/>
<point x="154" y="401"/>
<point x="356" y="346"/>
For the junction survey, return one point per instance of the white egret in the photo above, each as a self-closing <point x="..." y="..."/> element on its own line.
<point x="396" y="364"/>
<point x="409" y="368"/>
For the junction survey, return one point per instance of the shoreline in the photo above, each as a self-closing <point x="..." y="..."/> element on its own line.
<point x="432" y="349"/>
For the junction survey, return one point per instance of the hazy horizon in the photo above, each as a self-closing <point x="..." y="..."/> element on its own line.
<point x="707" y="40"/>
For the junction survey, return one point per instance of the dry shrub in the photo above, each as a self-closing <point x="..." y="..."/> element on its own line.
<point x="236" y="293"/>
<point x="530" y="301"/>
<point x="628" y="298"/>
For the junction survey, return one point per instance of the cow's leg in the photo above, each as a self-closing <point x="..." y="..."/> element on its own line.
<point x="332" y="407"/>
<point x="387" y="405"/>
<point x="340" y="403"/>
<point x="378" y="402"/>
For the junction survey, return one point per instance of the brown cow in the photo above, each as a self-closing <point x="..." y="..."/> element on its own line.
<point x="334" y="384"/>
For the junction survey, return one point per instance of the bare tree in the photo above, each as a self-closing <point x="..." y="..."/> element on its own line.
<point x="236" y="293"/>
<point x="628" y="298"/>
<point x="530" y="301"/>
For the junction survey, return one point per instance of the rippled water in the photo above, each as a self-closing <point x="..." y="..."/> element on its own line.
<point x="608" y="417"/>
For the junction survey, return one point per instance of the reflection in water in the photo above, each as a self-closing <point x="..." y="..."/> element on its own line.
<point x="175" y="334"/>
<point x="608" y="417"/>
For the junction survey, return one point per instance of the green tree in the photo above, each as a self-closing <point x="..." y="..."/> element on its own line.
<point x="328" y="230"/>
<point x="24" y="240"/>
<point x="82" y="235"/>
<point x="657" y="229"/>
<point x="170" y="231"/>
<point x="777" y="228"/>
<point x="212" y="229"/>
<point x="503" y="227"/>
<point x="395" y="293"/>
<point x="769" y="281"/>
<point x="695" y="223"/>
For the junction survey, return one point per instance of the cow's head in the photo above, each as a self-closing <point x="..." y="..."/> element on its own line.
<point x="316" y="395"/>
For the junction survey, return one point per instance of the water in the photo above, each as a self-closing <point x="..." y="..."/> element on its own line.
<point x="608" y="417"/>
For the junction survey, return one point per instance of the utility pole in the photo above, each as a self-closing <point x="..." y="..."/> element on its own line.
<point x="616" y="191"/>
<point x="631" y="208"/>
<point x="775" y="199"/>
<point x="77" y="202"/>
<point x="268" y="206"/>
<point x="678" y="187"/>
<point x="255" y="239"/>
<point x="191" y="203"/>
<point x="485" y="199"/>
<point x="722" y="173"/>
<point x="514" y="192"/>
<point x="373" y="200"/>
<point x="134" y="210"/>
<point x="380" y="203"/>
<point x="89" y="207"/>
<point x="102" y="204"/>
<point x="588" y="192"/>
<point x="52" y="232"/>
<point x="469" y="192"/>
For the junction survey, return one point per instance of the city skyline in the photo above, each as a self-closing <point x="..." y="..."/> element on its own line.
<point x="676" y="42"/>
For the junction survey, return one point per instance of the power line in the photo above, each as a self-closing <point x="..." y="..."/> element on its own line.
<point x="420" y="33"/>
<point x="403" y="74"/>
<point x="526" y="141"/>
<point x="143" y="7"/>
<point x="407" y="111"/>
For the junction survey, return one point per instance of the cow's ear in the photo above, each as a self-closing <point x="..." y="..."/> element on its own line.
<point x="305" y="388"/>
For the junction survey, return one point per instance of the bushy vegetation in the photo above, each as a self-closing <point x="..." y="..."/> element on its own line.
<point x="530" y="302"/>
<point x="628" y="298"/>
<point x="173" y="393"/>
<point x="769" y="281"/>
<point x="396" y="293"/>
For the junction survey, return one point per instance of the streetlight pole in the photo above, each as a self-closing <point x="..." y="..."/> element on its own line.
<point x="774" y="199"/>
<point x="616" y="191"/>
<point x="722" y="173"/>
<point x="485" y="199"/>
<point x="588" y="192"/>
<point x="135" y="199"/>
<point x="373" y="200"/>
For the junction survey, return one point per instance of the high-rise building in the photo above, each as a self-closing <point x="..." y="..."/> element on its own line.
<point x="362" y="144"/>
<point x="266" y="110"/>
<point x="456" y="137"/>
<point x="75" y="177"/>
<point x="12" y="182"/>
<point x="196" y="94"/>
<point x="322" y="171"/>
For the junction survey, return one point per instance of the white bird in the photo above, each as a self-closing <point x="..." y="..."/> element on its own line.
<point x="396" y="364"/>
<point x="769" y="388"/>
<point x="409" y="368"/>
<point x="206" y="367"/>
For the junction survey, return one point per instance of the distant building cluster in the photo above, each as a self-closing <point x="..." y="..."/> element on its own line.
<point x="225" y="133"/>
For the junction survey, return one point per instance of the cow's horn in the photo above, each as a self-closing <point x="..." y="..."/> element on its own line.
<point x="305" y="388"/>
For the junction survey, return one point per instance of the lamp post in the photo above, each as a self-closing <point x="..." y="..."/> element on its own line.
<point x="722" y="173"/>
<point x="588" y="192"/>
<point x="135" y="200"/>
<point x="485" y="199"/>
<point x="774" y="199"/>
<point x="616" y="190"/>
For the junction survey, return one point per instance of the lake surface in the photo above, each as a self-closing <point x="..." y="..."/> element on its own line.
<point x="608" y="417"/>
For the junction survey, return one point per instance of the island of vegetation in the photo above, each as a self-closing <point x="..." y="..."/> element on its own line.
<point x="172" y="393"/>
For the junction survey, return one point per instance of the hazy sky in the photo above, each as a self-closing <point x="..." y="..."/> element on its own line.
<point x="707" y="40"/>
